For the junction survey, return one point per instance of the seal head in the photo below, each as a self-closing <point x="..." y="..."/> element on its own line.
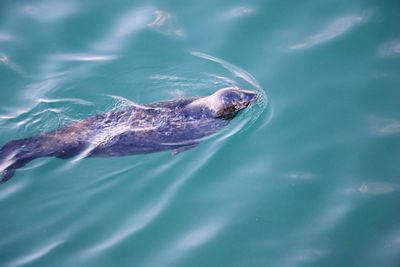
<point x="225" y="103"/>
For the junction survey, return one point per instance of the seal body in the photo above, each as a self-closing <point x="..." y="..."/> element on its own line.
<point x="175" y="125"/>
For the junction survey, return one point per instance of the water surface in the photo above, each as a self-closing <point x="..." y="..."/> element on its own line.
<point x="308" y="177"/>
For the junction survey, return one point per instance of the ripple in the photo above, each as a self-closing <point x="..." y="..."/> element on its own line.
<point x="302" y="256"/>
<point x="301" y="176"/>
<point x="135" y="224"/>
<point x="127" y="24"/>
<point x="262" y="102"/>
<point x="50" y="11"/>
<point x="8" y="63"/>
<point x="135" y="21"/>
<point x="5" y="37"/>
<point x="391" y="128"/>
<point x="235" y="13"/>
<point x="208" y="206"/>
<point x="241" y="11"/>
<point x="41" y="88"/>
<point x="166" y="23"/>
<point x="6" y="192"/>
<point x="327" y="219"/>
<point x="236" y="71"/>
<point x="76" y="101"/>
<point x="185" y="84"/>
<point x="376" y="188"/>
<point x="45" y="114"/>
<point x="199" y="235"/>
<point x="37" y="254"/>
<point x="149" y="213"/>
<point x="182" y="85"/>
<point x="138" y="221"/>
<point x="191" y="239"/>
<point x="4" y="59"/>
<point x="388" y="246"/>
<point x="333" y="30"/>
<point x="333" y="216"/>
<point x="84" y="57"/>
<point x="384" y="126"/>
<point x="389" y="49"/>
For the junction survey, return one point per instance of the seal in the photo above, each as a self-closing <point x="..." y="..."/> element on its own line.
<point x="176" y="125"/>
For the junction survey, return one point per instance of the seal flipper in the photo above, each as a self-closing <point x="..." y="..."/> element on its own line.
<point x="6" y="175"/>
<point x="17" y="153"/>
<point x="9" y="172"/>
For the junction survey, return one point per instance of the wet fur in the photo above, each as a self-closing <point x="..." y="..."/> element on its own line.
<point x="136" y="129"/>
<point x="131" y="130"/>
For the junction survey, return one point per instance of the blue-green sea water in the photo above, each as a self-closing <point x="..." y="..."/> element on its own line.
<point x="310" y="176"/>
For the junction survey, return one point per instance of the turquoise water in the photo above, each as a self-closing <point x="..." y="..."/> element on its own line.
<point x="307" y="177"/>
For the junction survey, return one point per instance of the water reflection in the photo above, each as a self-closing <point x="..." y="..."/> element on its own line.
<point x="143" y="218"/>
<point x="11" y="65"/>
<point x="40" y="252"/>
<point x="182" y="246"/>
<point x="127" y="208"/>
<point x="6" y="192"/>
<point x="136" y="20"/>
<point x="4" y="37"/>
<point x="127" y="24"/>
<point x="389" y="49"/>
<point x="237" y="12"/>
<point x="84" y="57"/>
<point x="50" y="11"/>
<point x="166" y="23"/>
<point x="333" y="30"/>
<point x="301" y="176"/>
<point x="384" y="126"/>
<point x="304" y="256"/>
<point x="376" y="188"/>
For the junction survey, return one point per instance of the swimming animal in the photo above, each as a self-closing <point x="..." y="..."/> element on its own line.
<point x="176" y="125"/>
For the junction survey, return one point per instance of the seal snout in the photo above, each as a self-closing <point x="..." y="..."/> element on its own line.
<point x="249" y="97"/>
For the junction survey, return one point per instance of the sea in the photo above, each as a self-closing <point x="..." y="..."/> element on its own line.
<point x="307" y="176"/>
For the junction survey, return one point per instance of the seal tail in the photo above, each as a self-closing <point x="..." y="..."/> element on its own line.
<point x="18" y="153"/>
